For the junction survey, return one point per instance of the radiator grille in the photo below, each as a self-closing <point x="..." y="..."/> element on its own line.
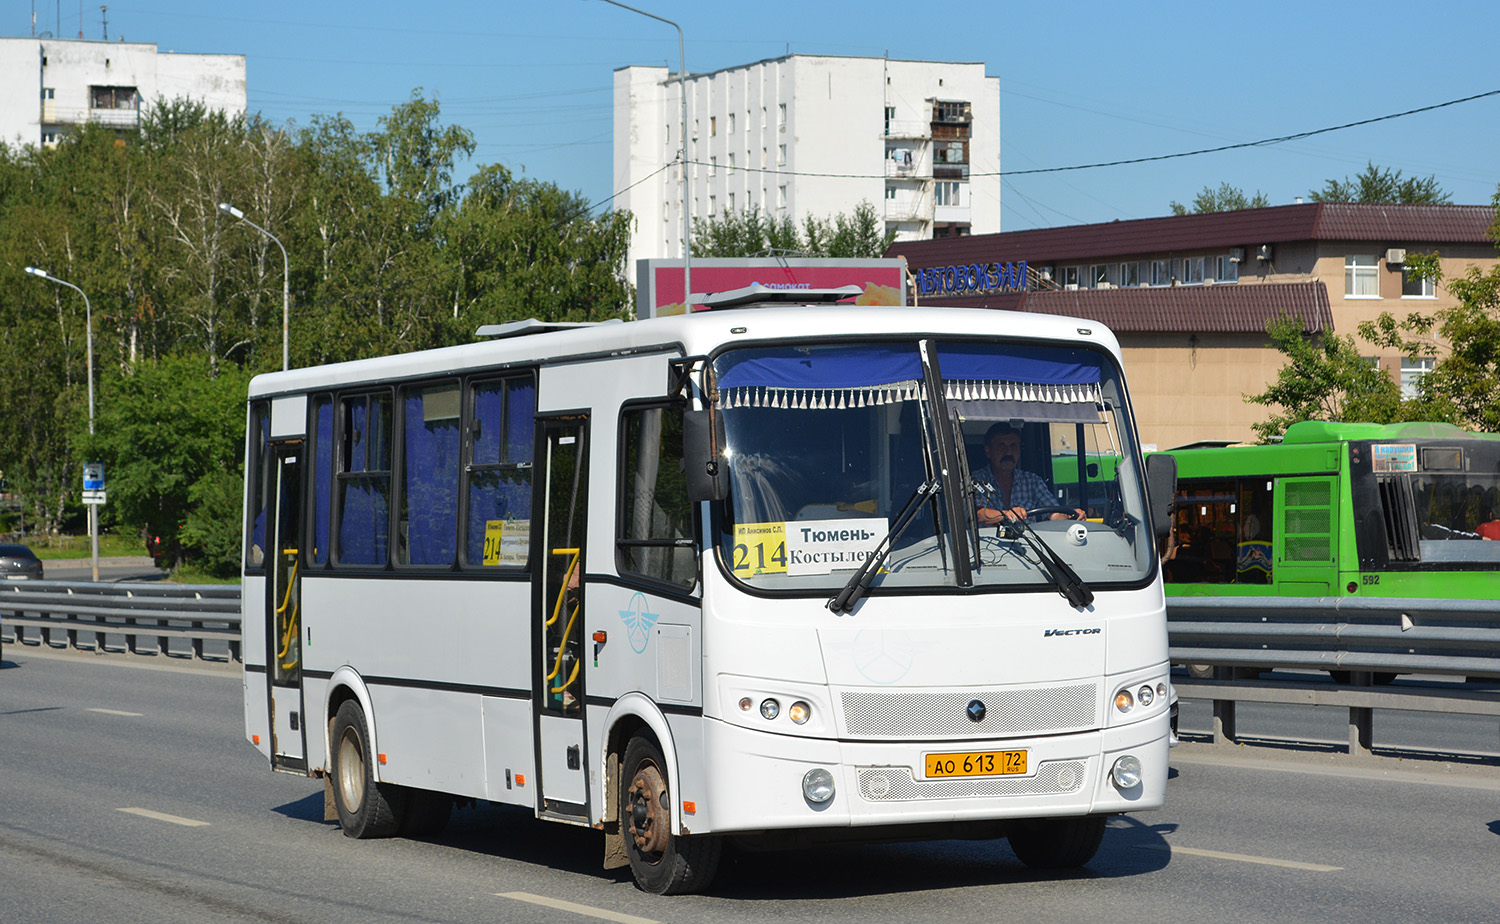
<point x="943" y="715"/>
<point x="896" y="784"/>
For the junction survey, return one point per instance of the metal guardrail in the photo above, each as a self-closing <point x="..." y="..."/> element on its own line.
<point x="66" y="615"/>
<point x="1361" y="640"/>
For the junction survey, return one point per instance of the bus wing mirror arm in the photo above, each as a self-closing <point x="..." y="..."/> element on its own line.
<point x="1161" y="492"/>
<point x="703" y="459"/>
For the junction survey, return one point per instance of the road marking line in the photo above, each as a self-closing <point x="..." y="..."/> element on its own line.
<point x="1410" y="774"/>
<point x="587" y="910"/>
<point x="162" y="816"/>
<point x="1242" y="857"/>
<point x="118" y="712"/>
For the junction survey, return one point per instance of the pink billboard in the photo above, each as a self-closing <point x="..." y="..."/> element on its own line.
<point x="659" y="282"/>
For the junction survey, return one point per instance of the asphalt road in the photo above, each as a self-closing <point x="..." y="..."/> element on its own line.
<point x="127" y="793"/>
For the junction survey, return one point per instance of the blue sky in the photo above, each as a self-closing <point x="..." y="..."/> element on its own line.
<point x="1080" y="82"/>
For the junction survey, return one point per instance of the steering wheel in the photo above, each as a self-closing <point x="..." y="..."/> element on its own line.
<point x="1045" y="512"/>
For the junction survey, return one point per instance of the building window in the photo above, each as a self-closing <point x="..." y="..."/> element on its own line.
<point x="1161" y="272"/>
<point x="1226" y="269"/>
<point x="781" y="154"/>
<point x="731" y="162"/>
<point x="945" y="193"/>
<point x="781" y="115"/>
<point x="890" y="194"/>
<point x="1413" y="368"/>
<point x="731" y="203"/>
<point x="762" y="117"/>
<point x="1099" y="276"/>
<point x="763" y="158"/>
<point x="713" y="165"/>
<point x="781" y="197"/>
<point x="713" y="205"/>
<point x="1070" y="277"/>
<point x="1130" y="274"/>
<point x="713" y="126"/>
<point x="951" y="153"/>
<point x="49" y="93"/>
<point x="1361" y="276"/>
<point x="1415" y="286"/>
<point x="890" y="113"/>
<point x="731" y="123"/>
<point x="114" y="98"/>
<point x="1192" y="270"/>
<point x="950" y="112"/>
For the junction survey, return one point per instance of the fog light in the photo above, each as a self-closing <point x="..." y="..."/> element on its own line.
<point x="1126" y="773"/>
<point x="745" y="703"/>
<point x="1123" y="701"/>
<point x="769" y="708"/>
<point x="799" y="712"/>
<point x="1145" y="695"/>
<point x="817" y="785"/>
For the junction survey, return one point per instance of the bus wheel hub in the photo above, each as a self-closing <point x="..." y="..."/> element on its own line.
<point x="650" y="819"/>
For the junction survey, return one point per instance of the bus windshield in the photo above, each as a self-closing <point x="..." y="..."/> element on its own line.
<point x="1438" y="503"/>
<point x="828" y="444"/>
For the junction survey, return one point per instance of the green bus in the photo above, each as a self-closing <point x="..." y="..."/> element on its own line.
<point x="1340" y="509"/>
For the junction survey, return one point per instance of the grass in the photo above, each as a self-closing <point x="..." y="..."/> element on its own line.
<point x="111" y="545"/>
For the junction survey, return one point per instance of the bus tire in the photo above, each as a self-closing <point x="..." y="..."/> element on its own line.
<point x="1057" y="843"/>
<point x="365" y="807"/>
<point x="663" y="863"/>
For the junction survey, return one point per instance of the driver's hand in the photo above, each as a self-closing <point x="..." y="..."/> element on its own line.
<point x="1077" y="514"/>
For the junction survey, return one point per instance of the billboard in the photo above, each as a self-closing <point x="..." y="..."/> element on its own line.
<point x="658" y="290"/>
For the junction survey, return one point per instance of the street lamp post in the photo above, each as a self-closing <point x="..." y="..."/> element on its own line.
<point x="88" y="320"/>
<point x="687" y="227"/>
<point x="286" y="284"/>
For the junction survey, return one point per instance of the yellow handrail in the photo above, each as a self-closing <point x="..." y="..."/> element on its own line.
<point x="572" y="563"/>
<point x="291" y="622"/>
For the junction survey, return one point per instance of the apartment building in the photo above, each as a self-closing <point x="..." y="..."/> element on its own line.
<point x="810" y="135"/>
<point x="1189" y="296"/>
<point x="48" y="85"/>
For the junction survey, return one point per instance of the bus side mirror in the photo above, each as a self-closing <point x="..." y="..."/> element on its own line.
<point x="707" y="470"/>
<point x="1161" y="491"/>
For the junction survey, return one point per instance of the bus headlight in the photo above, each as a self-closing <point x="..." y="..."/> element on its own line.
<point x="1145" y="695"/>
<point x="817" y="785"/>
<point x="1126" y="773"/>
<point x="799" y="713"/>
<point x="770" y="708"/>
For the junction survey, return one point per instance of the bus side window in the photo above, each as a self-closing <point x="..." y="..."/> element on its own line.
<point x="655" y="538"/>
<point x="500" y="434"/>
<point x="1253" y="554"/>
<point x="364" y="481"/>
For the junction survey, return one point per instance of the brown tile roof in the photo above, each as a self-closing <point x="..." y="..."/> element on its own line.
<point x="1226" y="308"/>
<point x="1390" y="225"/>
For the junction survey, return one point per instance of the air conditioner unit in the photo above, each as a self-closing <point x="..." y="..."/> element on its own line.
<point x="1236" y="254"/>
<point x="1395" y="256"/>
<point x="1263" y="253"/>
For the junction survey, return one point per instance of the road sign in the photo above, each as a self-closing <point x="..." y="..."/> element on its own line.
<point x="93" y="497"/>
<point x="93" y="476"/>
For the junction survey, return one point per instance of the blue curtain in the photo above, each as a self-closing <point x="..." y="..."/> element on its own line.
<point x="431" y="498"/>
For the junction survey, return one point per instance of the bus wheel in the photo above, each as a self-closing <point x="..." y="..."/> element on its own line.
<point x="366" y="808"/>
<point x="662" y="863"/>
<point x="1057" y="843"/>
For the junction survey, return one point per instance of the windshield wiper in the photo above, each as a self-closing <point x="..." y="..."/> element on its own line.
<point x="1067" y="581"/>
<point x="859" y="582"/>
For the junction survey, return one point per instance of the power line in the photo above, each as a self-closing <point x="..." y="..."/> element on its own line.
<point x="1119" y="163"/>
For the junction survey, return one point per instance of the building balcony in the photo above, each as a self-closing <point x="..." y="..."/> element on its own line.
<point x="75" y="115"/>
<point x="899" y="210"/>
<point x="914" y="130"/>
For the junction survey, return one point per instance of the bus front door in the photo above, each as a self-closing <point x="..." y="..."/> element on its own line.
<point x="559" y="687"/>
<point x="283" y="607"/>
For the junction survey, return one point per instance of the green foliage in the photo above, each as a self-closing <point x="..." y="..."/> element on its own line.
<point x="1224" y="199"/>
<point x="859" y="234"/>
<point x="1324" y="378"/>
<point x="1464" y="384"/>
<point x="1382" y="185"/>
<point x="387" y="254"/>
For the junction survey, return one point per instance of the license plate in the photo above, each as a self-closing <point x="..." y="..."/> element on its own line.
<point x="976" y="763"/>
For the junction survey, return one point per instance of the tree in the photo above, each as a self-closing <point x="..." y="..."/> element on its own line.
<point x="859" y="234"/>
<point x="1324" y="378"/>
<point x="1224" y="199"/>
<point x="1382" y="185"/>
<point x="1464" y="384"/>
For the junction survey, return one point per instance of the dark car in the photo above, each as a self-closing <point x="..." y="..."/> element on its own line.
<point x="18" y="563"/>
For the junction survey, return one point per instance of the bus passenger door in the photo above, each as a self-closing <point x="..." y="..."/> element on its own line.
<point x="558" y="690"/>
<point x="283" y="606"/>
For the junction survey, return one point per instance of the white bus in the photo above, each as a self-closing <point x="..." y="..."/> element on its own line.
<point x="713" y="576"/>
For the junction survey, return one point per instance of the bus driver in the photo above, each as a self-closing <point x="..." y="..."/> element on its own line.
<point x="1004" y="491"/>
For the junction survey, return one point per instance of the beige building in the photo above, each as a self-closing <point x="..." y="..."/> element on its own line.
<point x="1189" y="296"/>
